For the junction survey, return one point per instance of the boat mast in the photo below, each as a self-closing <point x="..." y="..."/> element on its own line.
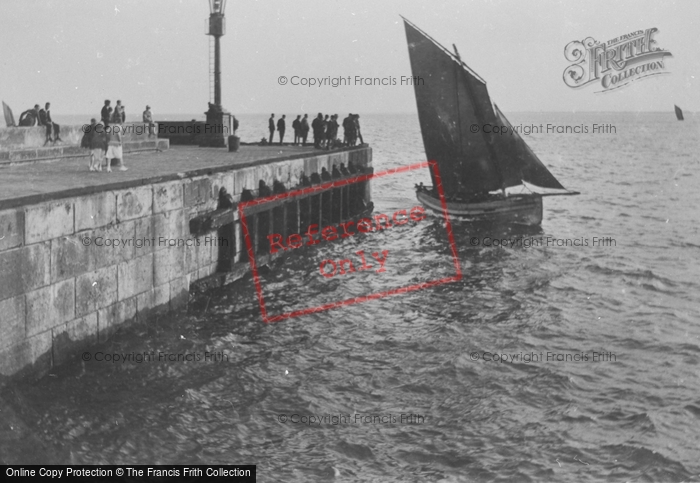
<point x="459" y="115"/>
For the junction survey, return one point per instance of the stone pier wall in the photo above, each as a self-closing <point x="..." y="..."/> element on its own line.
<point x="61" y="292"/>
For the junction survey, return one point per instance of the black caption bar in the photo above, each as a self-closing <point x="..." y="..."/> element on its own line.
<point x="135" y="473"/>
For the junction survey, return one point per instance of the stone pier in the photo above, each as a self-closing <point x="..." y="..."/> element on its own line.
<point x="83" y="254"/>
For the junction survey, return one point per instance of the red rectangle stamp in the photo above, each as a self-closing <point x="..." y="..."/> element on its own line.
<point x="364" y="227"/>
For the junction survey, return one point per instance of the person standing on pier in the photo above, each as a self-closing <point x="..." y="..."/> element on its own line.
<point x="317" y="126"/>
<point x="332" y="132"/>
<point x="346" y="130"/>
<point x="296" y="125"/>
<point x="114" y="148"/>
<point x="326" y="127"/>
<point x="357" y="128"/>
<point x="271" y="126"/>
<point x="119" y="116"/>
<point x="281" y="126"/>
<point x="106" y="113"/>
<point x="148" y="119"/>
<point x="97" y="144"/>
<point x="305" y="128"/>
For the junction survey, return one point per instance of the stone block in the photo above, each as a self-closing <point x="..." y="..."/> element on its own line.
<point x="179" y="292"/>
<point x="199" y="254"/>
<point x="167" y="196"/>
<point x="170" y="226"/>
<point x="311" y="166"/>
<point x="145" y="235"/>
<point x="48" y="220"/>
<point x="144" y="303"/>
<point x="50" y="306"/>
<point x="112" y="244"/>
<point x="168" y="264"/>
<point x="69" y="257"/>
<point x="135" y="276"/>
<point x="162" y="295"/>
<point x="111" y="318"/>
<point x="31" y="356"/>
<point x="221" y="180"/>
<point x="12" y="325"/>
<point x="244" y="179"/>
<point x="197" y="192"/>
<point x="95" y="290"/>
<point x="95" y="211"/>
<point x="24" y="269"/>
<point x="11" y="229"/>
<point x="71" y="337"/>
<point x="134" y="203"/>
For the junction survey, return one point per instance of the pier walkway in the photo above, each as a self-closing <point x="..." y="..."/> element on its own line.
<point x="31" y="183"/>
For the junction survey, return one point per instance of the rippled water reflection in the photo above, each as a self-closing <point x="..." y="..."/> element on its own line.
<point x="637" y="418"/>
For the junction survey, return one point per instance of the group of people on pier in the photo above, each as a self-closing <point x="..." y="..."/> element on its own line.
<point x="325" y="130"/>
<point x="105" y="144"/>
<point x="104" y="139"/>
<point x="41" y="117"/>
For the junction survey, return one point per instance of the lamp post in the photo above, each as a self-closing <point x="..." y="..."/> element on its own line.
<point x="219" y="123"/>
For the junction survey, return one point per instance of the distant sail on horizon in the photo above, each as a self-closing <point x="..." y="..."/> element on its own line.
<point x="679" y="113"/>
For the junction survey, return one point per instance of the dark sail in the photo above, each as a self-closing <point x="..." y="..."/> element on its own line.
<point x="446" y="112"/>
<point x="679" y="113"/>
<point x="452" y="102"/>
<point x="518" y="162"/>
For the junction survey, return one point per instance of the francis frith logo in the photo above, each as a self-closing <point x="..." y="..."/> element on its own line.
<point x="615" y="63"/>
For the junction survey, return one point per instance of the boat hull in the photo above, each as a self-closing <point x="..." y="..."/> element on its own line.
<point x="525" y="209"/>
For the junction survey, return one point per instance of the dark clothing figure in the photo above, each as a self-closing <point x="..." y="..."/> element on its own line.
<point x="332" y="132"/>
<point x="358" y="134"/>
<point x="324" y="137"/>
<point x="106" y="114"/>
<point x="271" y="126"/>
<point x="350" y="130"/>
<point x="296" y="125"/>
<point x="28" y="118"/>
<point x="304" y="128"/>
<point x="346" y="130"/>
<point x="281" y="127"/>
<point x="118" y="115"/>
<point x="51" y="127"/>
<point x="317" y="126"/>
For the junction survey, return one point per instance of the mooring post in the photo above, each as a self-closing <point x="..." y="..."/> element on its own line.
<point x="298" y="217"/>
<point x="253" y="227"/>
<point x="239" y="243"/>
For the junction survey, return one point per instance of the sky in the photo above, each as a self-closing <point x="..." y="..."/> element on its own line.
<point x="76" y="53"/>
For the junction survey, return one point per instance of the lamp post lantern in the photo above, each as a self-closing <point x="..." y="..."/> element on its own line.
<point x="219" y="124"/>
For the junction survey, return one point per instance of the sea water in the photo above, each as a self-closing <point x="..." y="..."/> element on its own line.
<point x="566" y="360"/>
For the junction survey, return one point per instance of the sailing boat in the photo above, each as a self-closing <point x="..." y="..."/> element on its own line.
<point x="679" y="113"/>
<point x="454" y="110"/>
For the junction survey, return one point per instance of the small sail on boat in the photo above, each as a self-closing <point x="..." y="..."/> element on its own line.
<point x="9" y="118"/>
<point x="679" y="113"/>
<point x="455" y="110"/>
